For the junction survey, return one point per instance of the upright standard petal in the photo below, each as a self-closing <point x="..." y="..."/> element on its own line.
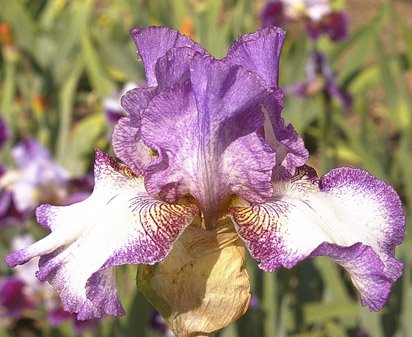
<point x="153" y="42"/>
<point x="203" y="129"/>
<point x="127" y="140"/>
<point x="259" y="52"/>
<point x="348" y="215"/>
<point x="118" y="224"/>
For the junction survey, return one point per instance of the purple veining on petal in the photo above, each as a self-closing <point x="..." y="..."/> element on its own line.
<point x="126" y="141"/>
<point x="203" y="129"/>
<point x="259" y="52"/>
<point x="153" y="42"/>
<point x="118" y="224"/>
<point x="348" y="215"/>
<point x="366" y="270"/>
<point x="174" y="66"/>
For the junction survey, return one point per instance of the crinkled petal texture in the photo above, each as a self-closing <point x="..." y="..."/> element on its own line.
<point x="260" y="53"/>
<point x="166" y="55"/>
<point x="204" y="130"/>
<point x="126" y="140"/>
<point x="348" y="215"/>
<point x="154" y="42"/>
<point x="118" y="224"/>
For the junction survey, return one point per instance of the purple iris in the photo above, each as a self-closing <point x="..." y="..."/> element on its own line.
<point x="205" y="141"/>
<point x="318" y="16"/>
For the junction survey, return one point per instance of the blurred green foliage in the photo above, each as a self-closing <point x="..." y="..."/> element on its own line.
<point x="66" y="56"/>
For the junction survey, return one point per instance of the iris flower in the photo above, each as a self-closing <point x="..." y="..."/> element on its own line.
<point x="320" y="77"/>
<point x="205" y="141"/>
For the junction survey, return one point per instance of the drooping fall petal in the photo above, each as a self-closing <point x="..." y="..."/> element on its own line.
<point x="118" y="224"/>
<point x="348" y="215"/>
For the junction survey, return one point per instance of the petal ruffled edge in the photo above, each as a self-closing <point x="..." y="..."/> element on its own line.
<point x="348" y="215"/>
<point x="118" y="224"/>
<point x="259" y="52"/>
<point x="153" y="42"/>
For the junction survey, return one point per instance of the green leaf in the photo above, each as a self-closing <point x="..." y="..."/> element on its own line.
<point x="94" y="69"/>
<point x="66" y="102"/>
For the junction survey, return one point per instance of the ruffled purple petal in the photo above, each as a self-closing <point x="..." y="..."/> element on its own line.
<point x="283" y="139"/>
<point x="204" y="132"/>
<point x="153" y="42"/>
<point x="126" y="140"/>
<point x="348" y="215"/>
<point x="118" y="224"/>
<point x="173" y="67"/>
<point x="259" y="53"/>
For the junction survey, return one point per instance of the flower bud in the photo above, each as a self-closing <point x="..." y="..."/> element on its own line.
<point x="202" y="285"/>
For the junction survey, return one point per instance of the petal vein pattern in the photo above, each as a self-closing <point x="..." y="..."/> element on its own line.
<point x="118" y="224"/>
<point x="204" y="130"/>
<point x="348" y="215"/>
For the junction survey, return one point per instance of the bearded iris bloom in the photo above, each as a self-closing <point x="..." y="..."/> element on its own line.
<point x="205" y="141"/>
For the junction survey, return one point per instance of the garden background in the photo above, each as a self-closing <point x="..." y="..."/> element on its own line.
<point x="62" y="60"/>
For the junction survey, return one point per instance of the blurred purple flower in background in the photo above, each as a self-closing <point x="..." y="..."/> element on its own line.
<point x="38" y="178"/>
<point x="13" y="299"/>
<point x="320" y="78"/>
<point x="157" y="323"/>
<point x="112" y="108"/>
<point x="318" y="16"/>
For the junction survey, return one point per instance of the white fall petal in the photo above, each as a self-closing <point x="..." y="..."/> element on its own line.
<point x="118" y="224"/>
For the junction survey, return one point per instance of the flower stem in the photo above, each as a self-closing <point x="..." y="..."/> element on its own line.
<point x="327" y="144"/>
